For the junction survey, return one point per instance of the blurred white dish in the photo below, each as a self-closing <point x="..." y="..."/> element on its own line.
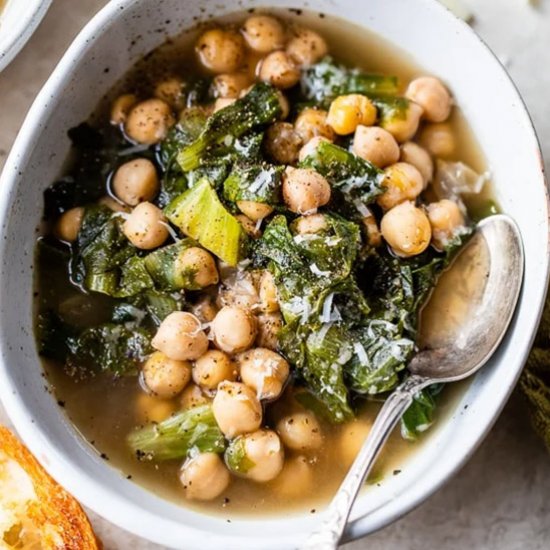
<point x="18" y="21"/>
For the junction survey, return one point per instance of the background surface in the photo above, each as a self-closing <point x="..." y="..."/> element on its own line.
<point x="501" y="497"/>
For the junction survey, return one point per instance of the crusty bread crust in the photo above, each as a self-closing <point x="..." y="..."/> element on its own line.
<point x="59" y="517"/>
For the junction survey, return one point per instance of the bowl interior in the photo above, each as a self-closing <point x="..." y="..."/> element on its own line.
<point x="439" y="43"/>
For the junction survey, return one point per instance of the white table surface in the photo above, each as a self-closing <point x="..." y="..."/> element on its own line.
<point x="500" y="499"/>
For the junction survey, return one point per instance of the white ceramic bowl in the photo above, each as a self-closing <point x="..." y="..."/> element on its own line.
<point x="18" y="21"/>
<point x="441" y="44"/>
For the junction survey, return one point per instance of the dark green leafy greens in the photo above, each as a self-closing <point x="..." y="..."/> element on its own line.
<point x="224" y="128"/>
<point x="342" y="337"/>
<point x="355" y="182"/>
<point x="110" y="347"/>
<point x="191" y="430"/>
<point x="420" y="415"/>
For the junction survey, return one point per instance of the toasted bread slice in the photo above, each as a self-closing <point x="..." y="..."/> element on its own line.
<point x="35" y="512"/>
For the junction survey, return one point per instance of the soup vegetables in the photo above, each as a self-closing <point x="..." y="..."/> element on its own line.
<point x="252" y="235"/>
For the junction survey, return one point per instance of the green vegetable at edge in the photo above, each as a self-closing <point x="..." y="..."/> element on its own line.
<point x="178" y="435"/>
<point x="236" y="458"/>
<point x="199" y="214"/>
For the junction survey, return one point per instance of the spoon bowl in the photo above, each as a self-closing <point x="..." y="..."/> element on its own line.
<point x="464" y="353"/>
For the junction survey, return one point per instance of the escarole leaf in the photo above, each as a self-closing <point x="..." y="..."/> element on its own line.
<point x="420" y="415"/>
<point x="344" y="336"/>
<point x="164" y="266"/>
<point x="177" y="436"/>
<point x="325" y="80"/>
<point x="355" y="182"/>
<point x="259" y="107"/>
<point x="103" y="260"/>
<point x="199" y="214"/>
<point x="109" y="347"/>
<point x="257" y="182"/>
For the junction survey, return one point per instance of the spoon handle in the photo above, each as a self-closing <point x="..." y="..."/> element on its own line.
<point x="329" y="534"/>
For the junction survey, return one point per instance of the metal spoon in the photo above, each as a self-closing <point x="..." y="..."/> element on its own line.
<point x="462" y="356"/>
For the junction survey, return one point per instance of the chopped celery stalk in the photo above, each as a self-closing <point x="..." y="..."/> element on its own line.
<point x="236" y="458"/>
<point x="260" y="106"/>
<point x="199" y="214"/>
<point x="176" y="436"/>
<point x="164" y="266"/>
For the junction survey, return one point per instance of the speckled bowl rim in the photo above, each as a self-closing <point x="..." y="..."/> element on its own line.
<point x="129" y="515"/>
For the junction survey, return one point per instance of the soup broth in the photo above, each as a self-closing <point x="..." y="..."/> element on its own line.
<point x="105" y="409"/>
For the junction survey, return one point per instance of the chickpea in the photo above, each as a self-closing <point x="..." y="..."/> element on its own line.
<point x="310" y="147"/>
<point x="229" y="86"/>
<point x="438" y="139"/>
<point x="404" y="128"/>
<point x="68" y="225"/>
<point x="144" y="226"/>
<point x="249" y="226"/>
<point x="347" y="112"/>
<point x="200" y="264"/>
<point x="406" y="229"/>
<point x="222" y="103"/>
<point x="304" y="190"/>
<point x="413" y="154"/>
<point x="254" y="210"/>
<point x="204" y="477"/>
<point x="269" y="325"/>
<point x="181" y="337"/>
<point x="236" y="409"/>
<point x="113" y="204"/>
<point x="445" y="218"/>
<point x="268" y="293"/>
<point x="149" y="121"/>
<point x="314" y="223"/>
<point x="374" y="237"/>
<point x="265" y="371"/>
<point x="278" y="69"/>
<point x="136" y="181"/>
<point x="432" y="96"/>
<point x="375" y="145"/>
<point x="313" y="122"/>
<point x="300" y="431"/>
<point x="121" y="107"/>
<point x="239" y="289"/>
<point x="307" y="47"/>
<point x="165" y="377"/>
<point x="234" y="329"/>
<point x="282" y="143"/>
<point x="263" y="33"/>
<point x="152" y="409"/>
<point x="212" y="368"/>
<point x="403" y="182"/>
<point x="221" y="51"/>
<point x="171" y="91"/>
<point x="296" y="479"/>
<point x="260" y="456"/>
<point x="193" y="396"/>
<point x="205" y="309"/>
